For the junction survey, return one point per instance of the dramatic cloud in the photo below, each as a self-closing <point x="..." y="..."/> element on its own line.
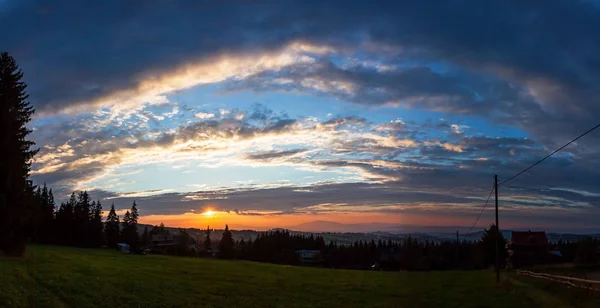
<point x="314" y="107"/>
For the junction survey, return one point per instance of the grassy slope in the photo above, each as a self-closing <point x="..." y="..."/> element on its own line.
<point x="69" y="277"/>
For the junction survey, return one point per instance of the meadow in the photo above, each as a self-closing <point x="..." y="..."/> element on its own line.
<point x="51" y="276"/>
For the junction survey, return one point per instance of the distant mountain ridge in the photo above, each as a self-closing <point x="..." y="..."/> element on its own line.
<point x="349" y="233"/>
<point x="331" y="226"/>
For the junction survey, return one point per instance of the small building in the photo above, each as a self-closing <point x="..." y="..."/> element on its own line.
<point x="529" y="248"/>
<point x="163" y="243"/>
<point x="123" y="248"/>
<point x="309" y="256"/>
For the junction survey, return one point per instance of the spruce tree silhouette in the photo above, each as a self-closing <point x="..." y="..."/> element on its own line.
<point x="16" y="191"/>
<point x="226" y="248"/>
<point x="111" y="228"/>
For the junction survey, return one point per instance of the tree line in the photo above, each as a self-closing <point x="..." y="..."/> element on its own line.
<point x="79" y="222"/>
<point x="280" y="247"/>
<point x="409" y="254"/>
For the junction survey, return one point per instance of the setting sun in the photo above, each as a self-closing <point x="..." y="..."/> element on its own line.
<point x="209" y="213"/>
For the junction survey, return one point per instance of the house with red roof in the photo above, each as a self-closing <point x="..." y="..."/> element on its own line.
<point x="528" y="248"/>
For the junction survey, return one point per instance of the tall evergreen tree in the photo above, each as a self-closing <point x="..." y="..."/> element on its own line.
<point x="488" y="244"/>
<point x="46" y="216"/>
<point x="111" y="228"/>
<point x="49" y="219"/>
<point x="184" y="240"/>
<point x="133" y="222"/>
<point x="35" y="229"/>
<point x="96" y="226"/>
<point x="226" y="249"/>
<point x="134" y="214"/>
<point x="125" y="227"/>
<point x="16" y="191"/>
<point x="207" y="241"/>
<point x="82" y="215"/>
<point x="129" y="232"/>
<point x="70" y="228"/>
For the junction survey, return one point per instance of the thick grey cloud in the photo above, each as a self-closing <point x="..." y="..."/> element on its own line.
<point x="114" y="44"/>
<point x="417" y="87"/>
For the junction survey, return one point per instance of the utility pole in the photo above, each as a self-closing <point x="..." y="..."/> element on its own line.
<point x="498" y="233"/>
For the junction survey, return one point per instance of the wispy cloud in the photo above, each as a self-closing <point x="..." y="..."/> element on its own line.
<point x="365" y="97"/>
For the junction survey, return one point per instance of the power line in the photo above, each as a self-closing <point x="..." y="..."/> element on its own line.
<point x="541" y="160"/>
<point x="482" y="209"/>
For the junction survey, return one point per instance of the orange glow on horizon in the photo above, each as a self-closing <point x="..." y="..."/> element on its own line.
<point x="218" y="219"/>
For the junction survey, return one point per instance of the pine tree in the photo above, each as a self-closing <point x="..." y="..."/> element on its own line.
<point x="125" y="227"/>
<point x="207" y="241"/>
<point x="184" y="240"/>
<point x="16" y="191"/>
<point x="96" y="227"/>
<point x="134" y="214"/>
<point x="133" y="235"/>
<point x="129" y="232"/>
<point x="82" y="216"/>
<point x="488" y="244"/>
<point x="111" y="228"/>
<point x="35" y="229"/>
<point x="226" y="245"/>
<point x="49" y="219"/>
<point x="46" y="216"/>
<point x="70" y="226"/>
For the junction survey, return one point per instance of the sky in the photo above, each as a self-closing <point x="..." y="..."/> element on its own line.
<point x="278" y="113"/>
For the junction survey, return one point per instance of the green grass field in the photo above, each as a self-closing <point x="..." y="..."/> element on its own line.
<point x="69" y="277"/>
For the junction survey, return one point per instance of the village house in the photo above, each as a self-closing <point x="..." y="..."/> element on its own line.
<point x="163" y="243"/>
<point x="529" y="248"/>
<point x="309" y="256"/>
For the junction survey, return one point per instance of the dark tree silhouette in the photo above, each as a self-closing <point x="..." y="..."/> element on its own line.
<point x="82" y="215"/>
<point x="16" y="191"/>
<point x="96" y="226"/>
<point x="48" y="218"/>
<point x="111" y="228"/>
<point x="134" y="237"/>
<point x="65" y="221"/>
<point x="207" y="241"/>
<point x="129" y="232"/>
<point x="134" y="215"/>
<point x="488" y="244"/>
<point x="226" y="248"/>
<point x="586" y="252"/>
<point x="125" y="227"/>
<point x="43" y="229"/>
<point x="184" y="241"/>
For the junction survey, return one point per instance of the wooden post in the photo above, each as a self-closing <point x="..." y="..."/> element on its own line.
<point x="497" y="234"/>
